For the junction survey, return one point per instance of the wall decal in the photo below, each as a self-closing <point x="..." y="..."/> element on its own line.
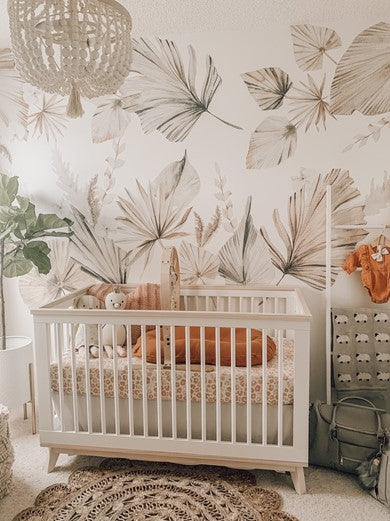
<point x="362" y="78"/>
<point x="308" y="104"/>
<point x="169" y="101"/>
<point x="5" y="153"/>
<point x="374" y="132"/>
<point x="224" y="196"/>
<point x="268" y="86"/>
<point x="98" y="256"/>
<point x="112" y="117"/>
<point x="90" y="198"/>
<point x="311" y="43"/>
<point x="273" y="141"/>
<point x="204" y="233"/>
<point x="159" y="211"/>
<point x="244" y="258"/>
<point x="304" y="241"/>
<point x="197" y="265"/>
<point x="379" y="196"/>
<point x="47" y="116"/>
<point x="64" y="277"/>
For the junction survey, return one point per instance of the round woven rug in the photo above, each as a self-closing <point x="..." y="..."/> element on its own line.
<point x="121" y="490"/>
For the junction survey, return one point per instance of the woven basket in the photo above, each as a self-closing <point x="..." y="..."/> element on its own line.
<point x="6" y="453"/>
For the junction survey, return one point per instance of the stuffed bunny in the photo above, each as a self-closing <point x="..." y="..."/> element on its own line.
<point x="87" y="302"/>
<point x="115" y="300"/>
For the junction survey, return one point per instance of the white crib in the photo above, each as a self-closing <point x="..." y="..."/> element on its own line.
<point x="242" y="417"/>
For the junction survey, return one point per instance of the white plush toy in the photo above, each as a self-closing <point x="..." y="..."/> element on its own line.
<point x="87" y="302"/>
<point x="114" y="300"/>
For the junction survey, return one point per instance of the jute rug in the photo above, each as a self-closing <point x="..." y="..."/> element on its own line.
<point x="120" y="490"/>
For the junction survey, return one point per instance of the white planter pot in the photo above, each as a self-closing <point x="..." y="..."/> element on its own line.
<point x="14" y="373"/>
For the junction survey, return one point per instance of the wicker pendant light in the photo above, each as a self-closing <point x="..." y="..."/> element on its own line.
<point x="71" y="47"/>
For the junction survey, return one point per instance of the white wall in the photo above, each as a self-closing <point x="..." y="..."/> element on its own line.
<point x="241" y="36"/>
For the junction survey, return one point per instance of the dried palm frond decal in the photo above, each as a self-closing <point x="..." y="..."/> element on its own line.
<point x="268" y="86"/>
<point x="197" y="265"/>
<point x="362" y="78"/>
<point x="112" y="117"/>
<point x="224" y="195"/>
<point x="49" y="120"/>
<point x="305" y="239"/>
<point x="64" y="277"/>
<point x="244" y="257"/>
<point x="13" y="107"/>
<point x="5" y="153"/>
<point x="203" y="233"/>
<point x="309" y="105"/>
<point x="374" y="132"/>
<point x="161" y="209"/>
<point x="98" y="256"/>
<point x="311" y="44"/>
<point x="169" y="101"/>
<point x="274" y="141"/>
<point x="379" y="196"/>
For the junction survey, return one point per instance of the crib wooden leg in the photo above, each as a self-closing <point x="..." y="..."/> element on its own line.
<point x="53" y="457"/>
<point x="298" y="479"/>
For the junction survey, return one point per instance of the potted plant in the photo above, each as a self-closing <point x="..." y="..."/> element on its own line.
<point x="21" y="249"/>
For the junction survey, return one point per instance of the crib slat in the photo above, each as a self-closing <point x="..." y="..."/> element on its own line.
<point x="233" y="383"/>
<point x="103" y="422"/>
<point x="74" y="389"/>
<point x="130" y="379"/>
<point x="87" y="380"/>
<point x="218" y="381"/>
<point x="173" y="382"/>
<point x="115" y="369"/>
<point x="264" y="404"/>
<point x="188" y="382"/>
<point x="159" y="395"/>
<point x="280" y="386"/>
<point x="59" y="349"/>
<point x="144" y="386"/>
<point x="248" y="385"/>
<point x="203" y="381"/>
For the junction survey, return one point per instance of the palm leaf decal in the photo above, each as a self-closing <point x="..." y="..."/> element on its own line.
<point x="98" y="256"/>
<point x="268" y="86"/>
<point x="311" y="43"/>
<point x="362" y="78"/>
<point x="308" y="104"/>
<point x="169" y="101"/>
<point x="304" y="240"/>
<point x="273" y="141"/>
<point x="244" y="258"/>
<point x="161" y="209"/>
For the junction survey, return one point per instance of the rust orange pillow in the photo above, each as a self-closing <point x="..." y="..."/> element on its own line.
<point x="210" y="346"/>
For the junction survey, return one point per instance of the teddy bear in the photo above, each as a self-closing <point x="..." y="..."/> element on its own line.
<point x="115" y="300"/>
<point x="91" y="330"/>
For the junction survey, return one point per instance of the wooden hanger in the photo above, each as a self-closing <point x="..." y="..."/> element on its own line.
<point x="381" y="240"/>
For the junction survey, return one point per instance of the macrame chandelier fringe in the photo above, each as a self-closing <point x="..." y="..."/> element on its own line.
<point x="74" y="108"/>
<point x="71" y="47"/>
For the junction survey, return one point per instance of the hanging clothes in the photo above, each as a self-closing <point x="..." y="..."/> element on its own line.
<point x="375" y="264"/>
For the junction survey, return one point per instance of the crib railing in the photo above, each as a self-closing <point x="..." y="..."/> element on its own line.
<point x="128" y="406"/>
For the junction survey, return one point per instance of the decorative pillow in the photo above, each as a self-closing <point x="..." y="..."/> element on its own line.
<point x="210" y="346"/>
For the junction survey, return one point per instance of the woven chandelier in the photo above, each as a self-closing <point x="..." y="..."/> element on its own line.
<point x="71" y="47"/>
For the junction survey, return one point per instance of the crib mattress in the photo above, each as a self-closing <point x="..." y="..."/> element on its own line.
<point x="166" y="387"/>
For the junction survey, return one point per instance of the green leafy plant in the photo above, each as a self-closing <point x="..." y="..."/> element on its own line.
<point x="21" y="238"/>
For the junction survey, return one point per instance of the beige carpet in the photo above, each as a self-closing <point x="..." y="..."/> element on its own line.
<point x="331" y="496"/>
